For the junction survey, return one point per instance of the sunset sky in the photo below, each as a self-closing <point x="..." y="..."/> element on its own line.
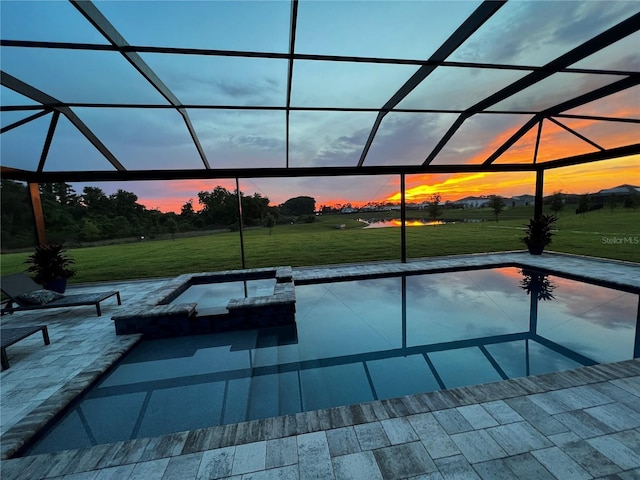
<point x="521" y="33"/>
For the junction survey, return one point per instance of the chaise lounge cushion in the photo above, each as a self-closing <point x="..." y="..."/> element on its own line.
<point x="38" y="297"/>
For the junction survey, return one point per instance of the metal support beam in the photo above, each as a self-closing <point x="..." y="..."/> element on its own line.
<point x="292" y="48"/>
<point x="240" y="223"/>
<point x="537" y="147"/>
<point x="403" y="219"/>
<point x="232" y="173"/>
<point x="47" y="141"/>
<point x="38" y="215"/>
<point x="598" y="118"/>
<point x="209" y="52"/>
<point x="464" y="31"/>
<point x="100" y="22"/>
<point x="537" y="206"/>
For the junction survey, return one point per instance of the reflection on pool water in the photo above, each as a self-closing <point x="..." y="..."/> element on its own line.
<point x="357" y="341"/>
<point x="218" y="294"/>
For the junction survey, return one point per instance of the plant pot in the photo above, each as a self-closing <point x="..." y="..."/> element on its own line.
<point x="535" y="249"/>
<point x="58" y="285"/>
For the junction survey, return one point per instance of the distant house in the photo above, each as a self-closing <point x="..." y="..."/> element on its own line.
<point x="348" y="210"/>
<point x="472" y="202"/>
<point x="521" y="200"/>
<point x="619" y="190"/>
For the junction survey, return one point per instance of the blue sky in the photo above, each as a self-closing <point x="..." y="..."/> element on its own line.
<point x="521" y="32"/>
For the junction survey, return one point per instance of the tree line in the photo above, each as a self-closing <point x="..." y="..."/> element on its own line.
<point x="92" y="215"/>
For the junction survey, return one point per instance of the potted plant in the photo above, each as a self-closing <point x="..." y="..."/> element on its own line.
<point x="51" y="266"/>
<point x="539" y="233"/>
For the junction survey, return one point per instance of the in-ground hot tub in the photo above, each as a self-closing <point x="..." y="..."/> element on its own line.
<point x="167" y="314"/>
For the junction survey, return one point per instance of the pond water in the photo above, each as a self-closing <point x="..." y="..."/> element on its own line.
<point x="396" y="222"/>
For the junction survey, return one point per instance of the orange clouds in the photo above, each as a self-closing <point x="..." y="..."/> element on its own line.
<point x="588" y="178"/>
<point x="449" y="188"/>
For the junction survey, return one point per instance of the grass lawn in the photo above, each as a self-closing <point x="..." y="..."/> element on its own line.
<point x="601" y="233"/>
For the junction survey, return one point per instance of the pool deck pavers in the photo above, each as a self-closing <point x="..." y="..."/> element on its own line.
<point x="582" y="423"/>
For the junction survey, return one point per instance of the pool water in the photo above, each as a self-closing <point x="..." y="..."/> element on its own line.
<point x="215" y="295"/>
<point x="357" y="341"/>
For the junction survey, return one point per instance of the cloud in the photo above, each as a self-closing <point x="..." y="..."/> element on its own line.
<point x="226" y="90"/>
<point x="407" y="138"/>
<point x="257" y="142"/>
<point x="252" y="91"/>
<point x="343" y="151"/>
<point x="328" y="138"/>
<point x="538" y="32"/>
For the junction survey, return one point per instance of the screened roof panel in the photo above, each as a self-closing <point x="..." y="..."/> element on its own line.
<point x="534" y="33"/>
<point x="143" y="139"/>
<point x="624" y="104"/>
<point x="523" y="150"/>
<point x="328" y="138"/>
<point x="387" y="29"/>
<point x="71" y="151"/>
<point x="605" y="134"/>
<point x="45" y="21"/>
<point x="208" y="80"/>
<point x="556" y="89"/>
<point x="449" y="88"/>
<point x="241" y="138"/>
<point x="557" y="142"/>
<point x="406" y="139"/>
<point x="22" y="147"/>
<point x="622" y="55"/>
<point x="8" y="118"/>
<point x="220" y="25"/>
<point x="9" y="97"/>
<point x="347" y="84"/>
<point x="79" y="75"/>
<point x="209" y="85"/>
<point x="478" y="138"/>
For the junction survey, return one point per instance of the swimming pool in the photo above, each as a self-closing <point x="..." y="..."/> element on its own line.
<point x="213" y="296"/>
<point x="357" y="341"/>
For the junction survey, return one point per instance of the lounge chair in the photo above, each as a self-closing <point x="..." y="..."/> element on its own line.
<point x="26" y="294"/>
<point x="9" y="336"/>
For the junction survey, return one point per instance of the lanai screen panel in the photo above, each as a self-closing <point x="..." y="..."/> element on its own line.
<point x="222" y="89"/>
<point x="534" y="33"/>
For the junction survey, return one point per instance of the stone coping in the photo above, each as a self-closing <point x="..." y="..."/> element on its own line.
<point x="174" y="287"/>
<point x="237" y="309"/>
<point x="627" y="274"/>
<point x="180" y="310"/>
<point x="181" y="444"/>
<point x="50" y="409"/>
